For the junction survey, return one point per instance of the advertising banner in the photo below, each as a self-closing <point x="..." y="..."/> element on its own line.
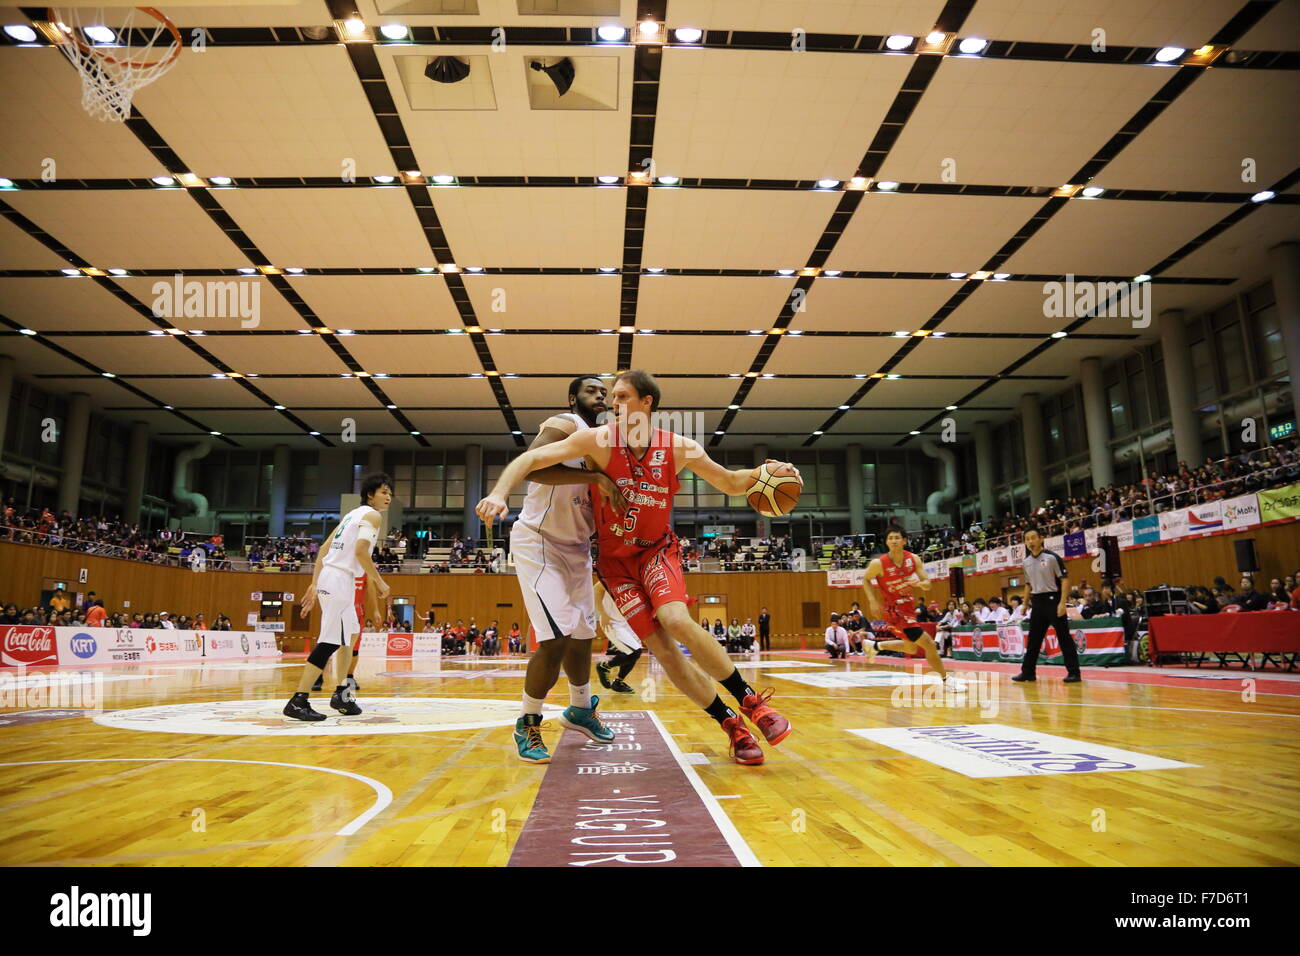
<point x="1146" y="530"/>
<point x="1076" y="544"/>
<point x="847" y="578"/>
<point x="1277" y="504"/>
<point x="1099" y="641"/>
<point x="1173" y="524"/>
<point x="132" y="645"/>
<point x="1205" y="519"/>
<point x="1240" y="512"/>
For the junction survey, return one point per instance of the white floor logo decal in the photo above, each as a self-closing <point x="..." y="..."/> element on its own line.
<point x="996" y="750"/>
<point x="382" y="715"/>
<point x="862" y="679"/>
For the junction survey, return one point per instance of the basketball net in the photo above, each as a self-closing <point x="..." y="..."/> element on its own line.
<point x="111" y="72"/>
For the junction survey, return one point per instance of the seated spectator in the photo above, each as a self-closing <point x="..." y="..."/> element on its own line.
<point x="516" y="639"/>
<point x="747" y="633"/>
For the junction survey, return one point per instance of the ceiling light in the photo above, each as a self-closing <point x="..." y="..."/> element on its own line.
<point x="980" y="274"/>
<point x="412" y="175"/>
<point x="831" y="273"/>
<point x="1091" y="192"/>
<point x="609" y="180"/>
<point x="1203" y="50"/>
<point x="218" y="374"/>
<point x="313" y="434"/>
<point x="516" y="432"/>
<point x="473" y="268"/>
<point x="859" y="182"/>
<point x="304" y="331"/>
<point x="157" y="332"/>
<point x="1142" y="278"/>
<point x="893" y="378"/>
<point x="169" y="408"/>
<point x="899" y="41"/>
<point x="384" y="179"/>
<point x="162" y="180"/>
<point x="108" y="375"/>
<point x="446" y="69"/>
<point x="776" y="331"/>
<point x="390" y="407"/>
<point x="901" y="334"/>
<point x="71" y="272"/>
<point x="734" y="408"/>
<point x="647" y="28"/>
<point x="859" y="376"/>
<point x="449" y="267"/>
<point x="937" y="335"/>
<point x="215" y="434"/>
<point x="1001" y="276"/>
<point x="189" y="179"/>
<point x="639" y="176"/>
<point x="914" y="432"/>
<point x="25" y="34"/>
<point x="785" y="272"/>
<point x="355" y="26"/>
<point x="173" y="331"/>
<point x="220" y="180"/>
<point x="688" y="34"/>
<point x="346" y="332"/>
<point x="6" y="183"/>
<point x="608" y="269"/>
<point x="279" y="408"/>
<point x="887" y="185"/>
<point x="827" y="183"/>
<point x="654" y="269"/>
<point x="196" y="332"/>
<point x="268" y="270"/>
<point x="247" y="271"/>
<point x="473" y="328"/>
<point x="415" y="433"/>
<point x="295" y="270"/>
<point x="381" y="375"/>
<point x="27" y="331"/>
<point x="921" y="333"/>
<point x="322" y="331"/>
<point x="956" y="275"/>
<point x="734" y="375"/>
<point x="844" y="408"/>
<point x="819" y="432"/>
<point x="100" y="34"/>
<point x="1264" y="195"/>
<point x="669" y="180"/>
<point x="952" y="408"/>
<point x="972" y="45"/>
<point x="751" y="375"/>
<point x="425" y="269"/>
<point x="345" y="375"/>
<point x="769" y="375"/>
<point x="794" y="331"/>
<point x="611" y="32"/>
<point x="936" y="37"/>
<point x="755" y="331"/>
<point x="1167" y="54"/>
<point x="1059" y="335"/>
<point x="394" y="31"/>
<point x="645" y="331"/>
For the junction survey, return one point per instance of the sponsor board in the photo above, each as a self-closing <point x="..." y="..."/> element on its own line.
<point x="381" y="715"/>
<point x="1173" y="524"/>
<point x="23" y="645"/>
<point x="399" y="645"/>
<point x="427" y="645"/>
<point x="1099" y="641"/>
<point x="269" y="626"/>
<point x="127" y="645"/>
<point x="1076" y="544"/>
<point x="1240" y="512"/>
<point x="1206" y="518"/>
<point x="1278" y="504"/>
<point x="996" y="750"/>
<point x="845" y="578"/>
<point x="1146" y="530"/>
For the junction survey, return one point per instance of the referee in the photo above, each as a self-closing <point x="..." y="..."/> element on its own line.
<point x="1047" y="583"/>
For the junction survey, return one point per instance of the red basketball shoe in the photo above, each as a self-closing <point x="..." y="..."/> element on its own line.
<point x="774" y="727"/>
<point x="744" y="748"/>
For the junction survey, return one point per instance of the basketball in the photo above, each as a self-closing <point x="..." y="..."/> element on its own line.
<point x="775" y="489"/>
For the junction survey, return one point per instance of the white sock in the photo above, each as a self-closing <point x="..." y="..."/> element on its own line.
<point x="532" y="705"/>
<point x="580" y="696"/>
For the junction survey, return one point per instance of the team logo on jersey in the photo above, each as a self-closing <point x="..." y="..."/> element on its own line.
<point x="657" y="473"/>
<point x="657" y="457"/>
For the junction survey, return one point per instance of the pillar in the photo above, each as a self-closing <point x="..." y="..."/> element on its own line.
<point x="375" y="459"/>
<point x="1096" y="417"/>
<point x="984" y="469"/>
<point x="1031" y="422"/>
<point x="1285" y="260"/>
<point x="474" y="492"/>
<point x="1178" y="382"/>
<point x="853" y="472"/>
<point x="279" y="489"/>
<point x="137" y="461"/>
<point x="6" y="389"/>
<point x="73" y="440"/>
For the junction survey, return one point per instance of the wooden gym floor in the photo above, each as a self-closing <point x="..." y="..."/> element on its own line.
<point x="74" y="791"/>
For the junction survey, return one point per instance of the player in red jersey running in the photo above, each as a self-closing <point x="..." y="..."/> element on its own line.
<point x="640" y="559"/>
<point x="888" y="582"/>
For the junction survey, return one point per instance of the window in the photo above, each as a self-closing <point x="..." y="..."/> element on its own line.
<point x="1228" y="347"/>
<point x="1119" y="420"/>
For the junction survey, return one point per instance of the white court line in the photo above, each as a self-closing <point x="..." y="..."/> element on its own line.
<point x="729" y="832"/>
<point x="383" y="797"/>
<point x="1063" y="703"/>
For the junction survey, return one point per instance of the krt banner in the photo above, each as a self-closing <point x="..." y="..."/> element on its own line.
<point x="1099" y="640"/>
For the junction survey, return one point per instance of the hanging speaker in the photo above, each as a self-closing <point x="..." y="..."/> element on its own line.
<point x="956" y="583"/>
<point x="1108" y="544"/>
<point x="1246" y="555"/>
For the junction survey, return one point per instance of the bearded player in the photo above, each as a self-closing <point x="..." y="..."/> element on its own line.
<point x="889" y="581"/>
<point x="640" y="559"/>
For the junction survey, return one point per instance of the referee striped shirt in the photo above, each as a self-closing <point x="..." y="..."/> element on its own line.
<point x="1044" y="572"/>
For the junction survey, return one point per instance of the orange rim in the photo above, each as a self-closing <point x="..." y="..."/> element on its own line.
<point x="53" y="16"/>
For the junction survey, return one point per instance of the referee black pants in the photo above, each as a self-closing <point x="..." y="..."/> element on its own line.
<point x="1042" y="615"/>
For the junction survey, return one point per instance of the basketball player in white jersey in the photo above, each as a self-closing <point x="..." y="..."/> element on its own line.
<point x="551" y="546"/>
<point x="343" y="558"/>
<point x="624" y="646"/>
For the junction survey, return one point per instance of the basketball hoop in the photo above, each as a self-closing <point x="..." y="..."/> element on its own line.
<point x="113" y="69"/>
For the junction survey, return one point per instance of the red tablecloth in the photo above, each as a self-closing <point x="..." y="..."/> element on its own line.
<point x="1259" y="632"/>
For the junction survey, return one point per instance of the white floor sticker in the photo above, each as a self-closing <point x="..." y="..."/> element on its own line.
<point x="381" y="715"/>
<point x="996" y="750"/>
<point x="865" y="679"/>
<point x="767" y="664"/>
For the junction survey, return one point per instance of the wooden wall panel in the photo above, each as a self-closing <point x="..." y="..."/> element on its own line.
<point x="150" y="588"/>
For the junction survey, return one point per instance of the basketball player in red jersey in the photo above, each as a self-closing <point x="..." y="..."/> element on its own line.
<point x="640" y="559"/>
<point x="888" y="582"/>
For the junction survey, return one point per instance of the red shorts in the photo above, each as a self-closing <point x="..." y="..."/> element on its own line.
<point x="901" y="615"/>
<point x="643" y="583"/>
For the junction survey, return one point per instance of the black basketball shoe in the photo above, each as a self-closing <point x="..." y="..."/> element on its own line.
<point x="343" y="702"/>
<point x="299" y="708"/>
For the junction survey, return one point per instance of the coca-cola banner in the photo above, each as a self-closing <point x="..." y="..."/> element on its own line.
<point x="27" y="645"/>
<point x="133" y="645"/>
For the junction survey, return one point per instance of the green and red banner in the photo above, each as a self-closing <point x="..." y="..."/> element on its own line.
<point x="1100" y="641"/>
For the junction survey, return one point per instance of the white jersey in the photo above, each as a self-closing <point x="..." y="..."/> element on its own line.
<point x="343" y="552"/>
<point x="560" y="513"/>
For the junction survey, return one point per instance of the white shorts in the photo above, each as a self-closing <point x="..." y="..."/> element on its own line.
<point x="556" y="585"/>
<point x="336" y="593"/>
<point x="619" y="632"/>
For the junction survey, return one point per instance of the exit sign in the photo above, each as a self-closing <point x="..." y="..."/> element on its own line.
<point x="1283" y="430"/>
